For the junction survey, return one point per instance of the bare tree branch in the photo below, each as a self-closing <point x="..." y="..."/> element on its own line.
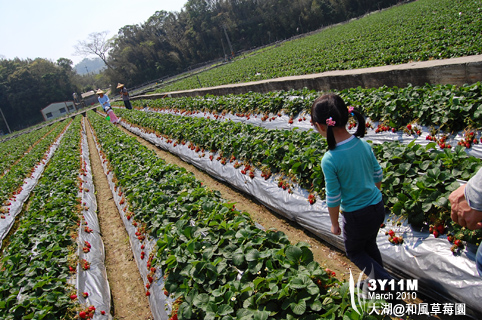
<point x="96" y="44"/>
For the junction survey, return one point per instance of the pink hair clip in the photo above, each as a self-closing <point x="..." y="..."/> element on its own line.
<point x="330" y="122"/>
<point x="350" y="109"/>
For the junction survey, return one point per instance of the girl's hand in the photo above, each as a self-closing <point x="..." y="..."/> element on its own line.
<point x="336" y="230"/>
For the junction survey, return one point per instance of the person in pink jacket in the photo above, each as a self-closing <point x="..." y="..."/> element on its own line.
<point x="105" y="103"/>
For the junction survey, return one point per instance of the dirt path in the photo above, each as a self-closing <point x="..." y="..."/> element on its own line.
<point x="127" y="288"/>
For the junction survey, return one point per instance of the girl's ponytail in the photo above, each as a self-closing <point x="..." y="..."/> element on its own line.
<point x="330" y="138"/>
<point x="360" y="129"/>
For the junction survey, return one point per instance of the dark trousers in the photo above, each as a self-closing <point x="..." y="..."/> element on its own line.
<point x="127" y="104"/>
<point x="360" y="236"/>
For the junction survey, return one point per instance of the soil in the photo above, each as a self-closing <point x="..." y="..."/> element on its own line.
<point x="129" y="300"/>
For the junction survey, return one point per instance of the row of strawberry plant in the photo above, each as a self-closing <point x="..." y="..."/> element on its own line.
<point x="12" y="150"/>
<point x="416" y="31"/>
<point x="34" y="272"/>
<point x="216" y="262"/>
<point x="297" y="155"/>
<point x="446" y="107"/>
<point x="11" y="183"/>
<point x="290" y="102"/>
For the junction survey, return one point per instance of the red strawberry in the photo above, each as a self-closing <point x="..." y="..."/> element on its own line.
<point x="82" y="314"/>
<point x="102" y="312"/>
<point x="440" y="228"/>
<point x="391" y="233"/>
<point x="409" y="126"/>
<point x="435" y="233"/>
<point x="85" y="294"/>
<point x="458" y="243"/>
<point x="148" y="293"/>
<point x="73" y="296"/>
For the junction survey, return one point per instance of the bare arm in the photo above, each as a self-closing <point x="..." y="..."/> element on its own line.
<point x="462" y="213"/>
<point x="334" y="214"/>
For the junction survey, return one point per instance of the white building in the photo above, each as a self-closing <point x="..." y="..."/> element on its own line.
<point x="58" y="109"/>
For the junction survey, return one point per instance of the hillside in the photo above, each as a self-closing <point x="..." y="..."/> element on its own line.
<point x="417" y="31"/>
<point x="95" y="65"/>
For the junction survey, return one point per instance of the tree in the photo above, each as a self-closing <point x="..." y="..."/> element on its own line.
<point x="96" y="44"/>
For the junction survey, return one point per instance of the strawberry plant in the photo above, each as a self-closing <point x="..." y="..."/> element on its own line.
<point x="418" y="180"/>
<point x="469" y="139"/>
<point x="11" y="182"/>
<point x="12" y="150"/>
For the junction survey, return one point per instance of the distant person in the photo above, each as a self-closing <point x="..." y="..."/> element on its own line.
<point x="125" y="95"/>
<point x="105" y="103"/>
<point x="74" y="96"/>
<point x="466" y="207"/>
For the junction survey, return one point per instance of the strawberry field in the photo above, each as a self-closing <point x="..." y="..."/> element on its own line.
<point x="415" y="31"/>
<point x="198" y="256"/>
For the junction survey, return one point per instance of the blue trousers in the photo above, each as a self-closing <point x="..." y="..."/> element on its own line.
<point x="360" y="230"/>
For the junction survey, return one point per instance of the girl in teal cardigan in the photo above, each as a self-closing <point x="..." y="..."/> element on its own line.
<point x="353" y="179"/>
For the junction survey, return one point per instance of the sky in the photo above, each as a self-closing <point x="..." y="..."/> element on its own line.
<point x="50" y="29"/>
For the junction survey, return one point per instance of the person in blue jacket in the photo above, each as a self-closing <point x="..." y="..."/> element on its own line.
<point x="105" y="103"/>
